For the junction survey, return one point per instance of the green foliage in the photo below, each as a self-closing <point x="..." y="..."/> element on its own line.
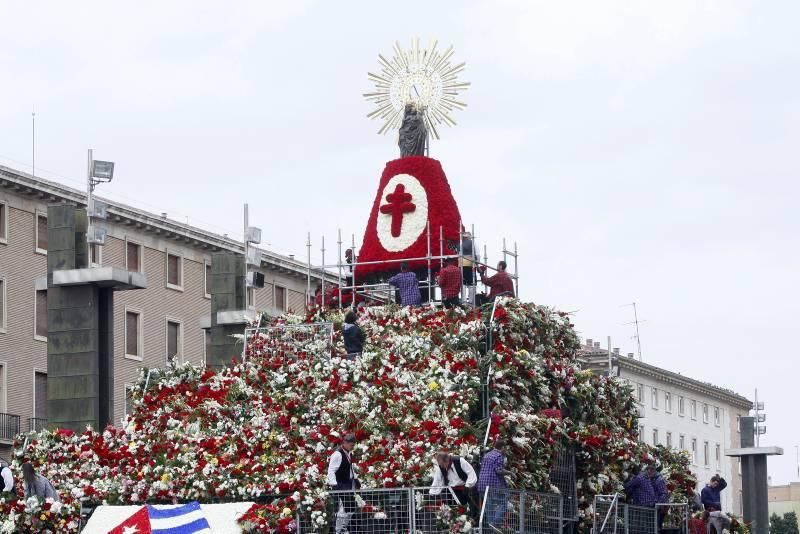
<point x="784" y="525"/>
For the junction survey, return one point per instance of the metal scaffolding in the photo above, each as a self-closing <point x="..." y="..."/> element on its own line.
<point x="381" y="292"/>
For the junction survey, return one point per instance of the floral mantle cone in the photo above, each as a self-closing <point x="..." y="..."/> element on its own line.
<point x="413" y="192"/>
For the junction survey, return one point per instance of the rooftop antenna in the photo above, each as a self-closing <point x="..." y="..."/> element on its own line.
<point x="636" y="322"/>
<point x="33" y="142"/>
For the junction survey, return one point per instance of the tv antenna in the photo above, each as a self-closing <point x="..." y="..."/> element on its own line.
<point x="636" y="322"/>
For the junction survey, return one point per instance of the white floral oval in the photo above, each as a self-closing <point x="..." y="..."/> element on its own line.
<point x="413" y="222"/>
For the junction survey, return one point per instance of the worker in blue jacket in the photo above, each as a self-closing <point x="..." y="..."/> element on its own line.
<point x="710" y="494"/>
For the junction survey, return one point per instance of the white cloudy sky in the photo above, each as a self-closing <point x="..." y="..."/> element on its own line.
<point x="637" y="151"/>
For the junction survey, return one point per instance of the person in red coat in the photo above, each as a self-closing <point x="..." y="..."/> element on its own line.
<point x="449" y="281"/>
<point x="498" y="284"/>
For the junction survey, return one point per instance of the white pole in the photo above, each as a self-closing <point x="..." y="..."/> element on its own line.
<point x="89" y="198"/>
<point x="308" y="276"/>
<point x="339" y="263"/>
<point x="323" y="271"/>
<point x="609" y="356"/>
<point x="246" y="250"/>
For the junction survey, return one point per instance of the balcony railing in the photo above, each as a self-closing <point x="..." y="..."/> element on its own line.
<point x="35" y="424"/>
<point x="9" y="426"/>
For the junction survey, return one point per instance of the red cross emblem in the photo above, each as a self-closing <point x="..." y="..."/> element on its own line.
<point x="399" y="203"/>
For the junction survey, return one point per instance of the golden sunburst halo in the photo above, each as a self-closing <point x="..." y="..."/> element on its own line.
<point x="424" y="77"/>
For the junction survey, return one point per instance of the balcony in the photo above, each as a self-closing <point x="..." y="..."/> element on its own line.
<point x="9" y="427"/>
<point x="35" y="424"/>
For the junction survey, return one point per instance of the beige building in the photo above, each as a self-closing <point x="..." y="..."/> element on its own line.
<point x="784" y="499"/>
<point x="683" y="413"/>
<point x="151" y="326"/>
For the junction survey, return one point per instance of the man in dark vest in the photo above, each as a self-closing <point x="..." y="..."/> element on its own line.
<point x="341" y="476"/>
<point x="456" y="474"/>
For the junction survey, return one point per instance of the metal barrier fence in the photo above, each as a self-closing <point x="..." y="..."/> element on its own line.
<point x="504" y="510"/>
<point x="287" y="339"/>
<point x="673" y="518"/>
<point x="606" y="514"/>
<point x="639" y="519"/>
<point x="400" y="511"/>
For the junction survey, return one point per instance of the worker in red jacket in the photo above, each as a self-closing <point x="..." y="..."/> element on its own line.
<point x="499" y="284"/>
<point x="449" y="281"/>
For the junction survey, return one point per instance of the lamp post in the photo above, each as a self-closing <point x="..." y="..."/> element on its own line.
<point x="97" y="172"/>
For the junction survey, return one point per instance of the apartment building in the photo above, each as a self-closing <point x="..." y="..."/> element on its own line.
<point x="151" y="326"/>
<point x="683" y="413"/>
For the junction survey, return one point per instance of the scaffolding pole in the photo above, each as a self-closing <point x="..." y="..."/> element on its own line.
<point x="428" y="231"/>
<point x="323" y="272"/>
<point x="339" y="280"/>
<point x="308" y="276"/>
<point x="516" y="272"/>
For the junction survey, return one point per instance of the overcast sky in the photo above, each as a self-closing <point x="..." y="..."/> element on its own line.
<point x="639" y="151"/>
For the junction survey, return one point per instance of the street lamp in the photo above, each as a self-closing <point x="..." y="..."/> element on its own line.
<point x="97" y="172"/>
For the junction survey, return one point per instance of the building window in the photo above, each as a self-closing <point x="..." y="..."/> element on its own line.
<point x="174" y="271"/>
<point x="705" y="454"/>
<point x="705" y="413"/>
<point x="641" y="431"/>
<point x="40" y="395"/>
<point x="133" y="334"/>
<point x="207" y="280"/>
<point x="280" y="298"/>
<point x="174" y="337"/>
<point x="669" y="440"/>
<point x="717" y="455"/>
<point x="654" y="398"/>
<point x="95" y="254"/>
<point x="40" y="315"/>
<point x="3" y="222"/>
<point x="41" y="233"/>
<point x="640" y="392"/>
<point x="694" y="451"/>
<point x="2" y="305"/>
<point x="655" y="436"/>
<point x="682" y="442"/>
<point x="693" y="409"/>
<point x="133" y="257"/>
<point x="738" y="423"/>
<point x="716" y="415"/>
<point x="681" y="406"/>
<point x="667" y="402"/>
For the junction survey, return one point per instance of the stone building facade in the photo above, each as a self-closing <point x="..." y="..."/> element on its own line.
<point x="683" y="413"/>
<point x="164" y="321"/>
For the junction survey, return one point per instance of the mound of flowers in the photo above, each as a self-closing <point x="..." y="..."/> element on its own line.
<point x="263" y="430"/>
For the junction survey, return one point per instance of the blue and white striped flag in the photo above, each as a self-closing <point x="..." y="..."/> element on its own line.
<point x="186" y="519"/>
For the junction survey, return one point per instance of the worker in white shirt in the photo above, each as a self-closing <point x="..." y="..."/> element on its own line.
<point x="341" y="476"/>
<point x="455" y="473"/>
<point x="7" y="479"/>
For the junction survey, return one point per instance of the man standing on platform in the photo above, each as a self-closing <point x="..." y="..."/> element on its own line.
<point x="341" y="476"/>
<point x="406" y="281"/>
<point x="449" y="281"/>
<point x="498" y="284"/>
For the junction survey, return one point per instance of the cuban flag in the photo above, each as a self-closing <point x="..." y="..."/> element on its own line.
<point x="184" y="519"/>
